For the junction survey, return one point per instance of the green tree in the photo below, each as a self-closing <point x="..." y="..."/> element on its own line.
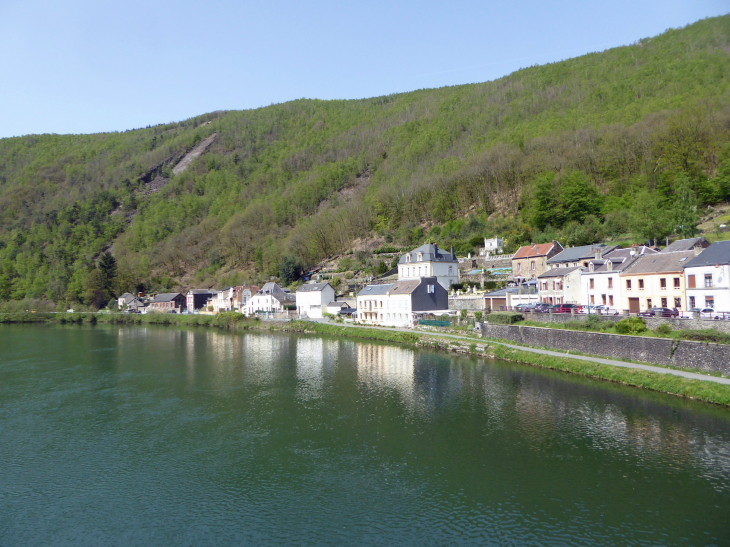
<point x="684" y="211"/>
<point x="648" y="218"/>
<point x="108" y="269"/>
<point x="94" y="292"/>
<point x="289" y="269"/>
<point x="578" y="197"/>
<point x="545" y="205"/>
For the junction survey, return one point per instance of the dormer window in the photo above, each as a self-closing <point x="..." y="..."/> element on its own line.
<point x="419" y="257"/>
<point x="590" y="267"/>
<point x="408" y="258"/>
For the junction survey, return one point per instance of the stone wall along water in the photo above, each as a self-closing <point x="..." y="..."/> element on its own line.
<point x="660" y="351"/>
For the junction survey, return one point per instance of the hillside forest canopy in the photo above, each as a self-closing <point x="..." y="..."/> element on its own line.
<point x="628" y="144"/>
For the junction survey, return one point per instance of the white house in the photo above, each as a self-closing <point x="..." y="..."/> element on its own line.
<point x="600" y="283"/>
<point x="271" y="298"/>
<point x="493" y="245"/>
<point x="398" y="304"/>
<point x="429" y="261"/>
<point x="223" y="300"/>
<point x="312" y="299"/>
<point x="707" y="278"/>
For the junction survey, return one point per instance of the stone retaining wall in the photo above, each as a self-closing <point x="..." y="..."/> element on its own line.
<point x="467" y="303"/>
<point x="660" y="351"/>
<point x="721" y="325"/>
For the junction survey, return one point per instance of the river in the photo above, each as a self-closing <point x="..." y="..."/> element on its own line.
<point x="171" y="436"/>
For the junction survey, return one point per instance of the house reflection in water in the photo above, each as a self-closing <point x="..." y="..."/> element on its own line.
<point x="387" y="367"/>
<point x="316" y="360"/>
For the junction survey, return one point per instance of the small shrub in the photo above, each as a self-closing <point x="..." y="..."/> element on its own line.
<point x="505" y="317"/>
<point x="631" y="325"/>
<point x="462" y="314"/>
<point x="664" y="329"/>
<point x="349" y="275"/>
<point x="478" y="316"/>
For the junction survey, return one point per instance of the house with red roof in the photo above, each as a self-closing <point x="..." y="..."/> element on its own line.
<point x="530" y="261"/>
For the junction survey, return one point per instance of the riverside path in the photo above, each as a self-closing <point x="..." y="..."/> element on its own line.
<point x="612" y="362"/>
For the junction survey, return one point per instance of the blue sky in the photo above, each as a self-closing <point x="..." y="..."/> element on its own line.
<point x="82" y="66"/>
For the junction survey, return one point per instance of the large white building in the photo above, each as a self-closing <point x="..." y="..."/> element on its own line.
<point x="271" y="298"/>
<point x="707" y="278"/>
<point x="429" y="261"/>
<point x="399" y="304"/>
<point x="312" y="299"/>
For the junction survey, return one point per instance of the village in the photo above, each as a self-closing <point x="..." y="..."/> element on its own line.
<point x="689" y="278"/>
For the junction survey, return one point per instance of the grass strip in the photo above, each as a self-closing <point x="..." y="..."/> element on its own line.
<point x="352" y="332"/>
<point x="700" y="390"/>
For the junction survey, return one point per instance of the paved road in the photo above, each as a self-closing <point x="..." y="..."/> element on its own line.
<point x="660" y="370"/>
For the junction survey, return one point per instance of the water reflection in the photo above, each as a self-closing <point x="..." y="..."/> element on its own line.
<point x="382" y="367"/>
<point x="316" y="358"/>
<point x="303" y="432"/>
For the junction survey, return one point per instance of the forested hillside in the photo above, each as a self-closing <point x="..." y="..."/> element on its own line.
<point x="627" y="143"/>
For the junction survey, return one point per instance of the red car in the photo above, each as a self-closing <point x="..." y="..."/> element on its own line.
<point x="565" y="308"/>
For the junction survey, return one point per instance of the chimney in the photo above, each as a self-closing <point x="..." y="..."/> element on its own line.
<point x="453" y="256"/>
<point x="698" y="249"/>
<point x="599" y="253"/>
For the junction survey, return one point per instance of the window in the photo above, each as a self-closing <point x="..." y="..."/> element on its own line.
<point x="419" y="257"/>
<point x="664" y="302"/>
<point x="677" y="302"/>
<point x="603" y="299"/>
<point x="691" y="282"/>
<point x="610" y="282"/>
<point x="408" y="258"/>
<point x="676" y="283"/>
<point x="430" y="289"/>
<point x="628" y="284"/>
<point x="593" y="299"/>
<point x="709" y="301"/>
<point x="663" y="284"/>
<point x="708" y="281"/>
<point x="590" y="283"/>
<point x="532" y="265"/>
<point x="451" y="270"/>
<point x="610" y="300"/>
<point x="519" y="267"/>
<point x="648" y="303"/>
<point x="641" y="284"/>
<point x="692" y="302"/>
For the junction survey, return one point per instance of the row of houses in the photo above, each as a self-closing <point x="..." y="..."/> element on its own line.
<point x="688" y="273"/>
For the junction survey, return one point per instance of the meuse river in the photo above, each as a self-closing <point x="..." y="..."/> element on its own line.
<point x="166" y="436"/>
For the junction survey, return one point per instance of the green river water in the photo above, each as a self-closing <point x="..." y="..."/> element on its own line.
<point x="167" y="436"/>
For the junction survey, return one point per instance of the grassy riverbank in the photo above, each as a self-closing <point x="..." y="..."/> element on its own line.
<point x="700" y="390"/>
<point x="693" y="389"/>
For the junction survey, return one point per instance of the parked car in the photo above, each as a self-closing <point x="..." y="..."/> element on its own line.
<point x="705" y="313"/>
<point x="606" y="310"/>
<point x="526" y="307"/>
<point x="565" y="308"/>
<point x="588" y="309"/>
<point x="659" y="312"/>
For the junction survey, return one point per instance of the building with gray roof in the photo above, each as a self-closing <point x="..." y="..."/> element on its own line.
<point x="686" y="244"/>
<point x="430" y="261"/>
<point x="707" y="277"/>
<point x="580" y="256"/>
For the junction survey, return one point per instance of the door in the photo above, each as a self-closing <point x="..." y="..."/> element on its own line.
<point x="633" y="305"/>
